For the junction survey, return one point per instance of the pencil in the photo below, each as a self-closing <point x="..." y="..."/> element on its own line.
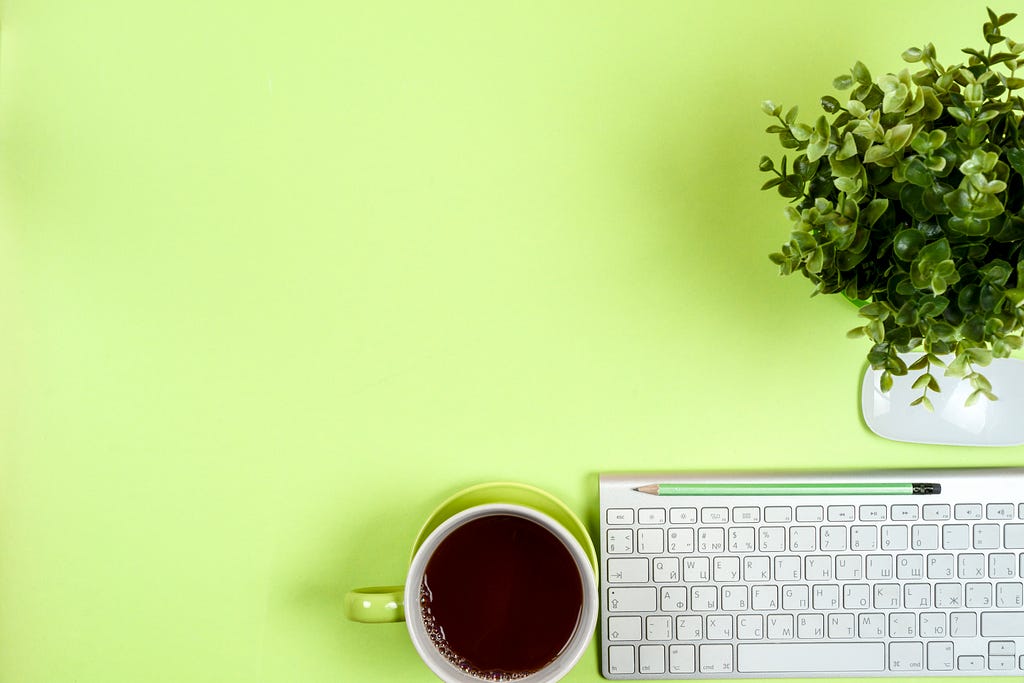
<point x="856" y="489"/>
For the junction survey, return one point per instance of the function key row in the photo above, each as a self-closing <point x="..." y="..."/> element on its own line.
<point x="776" y="514"/>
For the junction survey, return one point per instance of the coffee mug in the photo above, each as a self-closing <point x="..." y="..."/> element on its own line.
<point x="502" y="585"/>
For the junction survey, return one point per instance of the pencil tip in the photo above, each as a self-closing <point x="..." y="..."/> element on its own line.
<point x="650" y="488"/>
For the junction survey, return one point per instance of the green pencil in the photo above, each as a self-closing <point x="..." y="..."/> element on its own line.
<point x="860" y="489"/>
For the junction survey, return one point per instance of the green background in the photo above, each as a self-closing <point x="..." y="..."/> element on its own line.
<point x="277" y="278"/>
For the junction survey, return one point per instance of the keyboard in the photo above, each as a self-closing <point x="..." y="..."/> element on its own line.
<point x="739" y="575"/>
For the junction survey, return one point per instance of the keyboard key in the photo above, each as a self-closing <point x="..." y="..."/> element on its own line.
<point x="666" y="569"/>
<point x="886" y="596"/>
<point x="625" y="628"/>
<point x="872" y="513"/>
<point x="856" y="596"/>
<point x="894" y="537"/>
<point x="906" y="656"/>
<point x="935" y="513"/>
<point x="650" y="541"/>
<point x="764" y="597"/>
<point x="940" y="566"/>
<point x="917" y="596"/>
<point x="651" y="516"/>
<point x="964" y="624"/>
<point x="949" y="595"/>
<point x="716" y="659"/>
<point x="696" y="569"/>
<point x="809" y="657"/>
<point x="955" y="536"/>
<point x="780" y="627"/>
<point x="710" y="540"/>
<point x="659" y="627"/>
<point x="879" y="567"/>
<point x="933" y="625"/>
<point x="978" y="595"/>
<point x="810" y="513"/>
<point x="628" y="570"/>
<point x="619" y="515"/>
<point x="940" y="656"/>
<point x="842" y="625"/>
<point x="750" y="627"/>
<point x="734" y="598"/>
<point x="1002" y="624"/>
<point x="714" y="515"/>
<point x="779" y="514"/>
<point x="1013" y="536"/>
<point x="1020" y="515"/>
<point x="725" y="569"/>
<point x="841" y="513"/>
<point x="810" y="626"/>
<point x="1001" y="647"/>
<point x="971" y="566"/>
<point x="833" y="538"/>
<point x="903" y="513"/>
<point x="924" y="537"/>
<point x="1002" y="565"/>
<point x="970" y="662"/>
<point x="704" y="598"/>
<point x="682" y="515"/>
<point x="652" y="659"/>
<point x="1009" y="595"/>
<point x="1002" y="663"/>
<point x="741" y="540"/>
<point x="673" y="599"/>
<point x="690" y="628"/>
<point x="967" y="511"/>
<point x="719" y="627"/>
<point x="681" y="540"/>
<point x="999" y="511"/>
<point x="863" y="538"/>
<point x="801" y="538"/>
<point x="849" y="567"/>
<point x="756" y="568"/>
<point x="640" y="599"/>
<point x="771" y="539"/>
<point x="620" y="541"/>
<point x="682" y="659"/>
<point x="986" y="536"/>
<point x="871" y="626"/>
<point x="621" y="659"/>
<point x="746" y="515"/>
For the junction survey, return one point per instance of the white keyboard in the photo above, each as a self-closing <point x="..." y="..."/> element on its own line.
<point x="813" y="575"/>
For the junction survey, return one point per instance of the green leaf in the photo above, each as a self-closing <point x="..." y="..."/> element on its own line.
<point x="980" y="356"/>
<point x="925" y="402"/>
<point x="861" y="73"/>
<point x="913" y="54"/>
<point x="923" y="381"/>
<point x="849" y="148"/>
<point x="844" y="82"/>
<point x="908" y="243"/>
<point x="885" y="382"/>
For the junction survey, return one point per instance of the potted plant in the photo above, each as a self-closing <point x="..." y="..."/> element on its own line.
<point x="908" y="199"/>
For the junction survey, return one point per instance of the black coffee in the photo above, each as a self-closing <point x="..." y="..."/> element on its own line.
<point x="501" y="597"/>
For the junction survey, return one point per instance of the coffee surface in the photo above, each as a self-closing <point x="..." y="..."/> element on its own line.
<point x="501" y="597"/>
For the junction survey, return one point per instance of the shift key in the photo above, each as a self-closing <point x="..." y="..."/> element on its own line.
<point x="632" y="599"/>
<point x="1002" y="624"/>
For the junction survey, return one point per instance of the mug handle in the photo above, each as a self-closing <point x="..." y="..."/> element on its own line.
<point x="376" y="604"/>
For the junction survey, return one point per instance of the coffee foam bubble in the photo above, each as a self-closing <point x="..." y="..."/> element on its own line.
<point x="437" y="637"/>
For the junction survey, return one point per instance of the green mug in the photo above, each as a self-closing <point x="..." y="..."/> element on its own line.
<point x="382" y="604"/>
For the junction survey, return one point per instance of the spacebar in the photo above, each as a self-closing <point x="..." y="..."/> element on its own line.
<point x="809" y="657"/>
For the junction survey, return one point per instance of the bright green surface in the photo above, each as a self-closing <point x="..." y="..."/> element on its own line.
<point x="278" y="278"/>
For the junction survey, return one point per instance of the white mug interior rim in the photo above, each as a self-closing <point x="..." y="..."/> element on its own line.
<point x="573" y="650"/>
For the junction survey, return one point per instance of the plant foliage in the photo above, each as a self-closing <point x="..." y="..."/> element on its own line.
<point x="910" y="196"/>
